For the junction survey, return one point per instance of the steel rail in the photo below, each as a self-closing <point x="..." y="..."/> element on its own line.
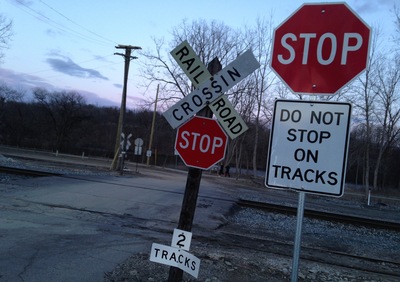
<point x="329" y="216"/>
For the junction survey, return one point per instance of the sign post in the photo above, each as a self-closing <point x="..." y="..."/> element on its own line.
<point x="301" y="155"/>
<point x="191" y="192"/>
<point x="313" y="52"/>
<point x="210" y="83"/>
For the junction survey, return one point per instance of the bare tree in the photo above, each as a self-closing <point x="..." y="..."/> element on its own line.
<point x="64" y="110"/>
<point x="209" y="40"/>
<point x="396" y="11"/>
<point x="10" y="94"/>
<point x="5" y="34"/>
<point x="261" y="39"/>
<point x="387" y="109"/>
<point x="363" y="100"/>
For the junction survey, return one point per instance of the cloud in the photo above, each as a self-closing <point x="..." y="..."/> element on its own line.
<point x="22" y="80"/>
<point x="118" y="85"/>
<point x="67" y="66"/>
<point x="26" y="82"/>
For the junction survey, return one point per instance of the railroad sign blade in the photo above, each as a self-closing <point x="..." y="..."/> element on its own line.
<point x="211" y="89"/>
<point x="228" y="117"/>
<point x="190" y="63"/>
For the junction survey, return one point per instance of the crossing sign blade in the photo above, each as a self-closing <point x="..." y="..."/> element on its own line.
<point x="228" y="117"/>
<point x="190" y="63"/>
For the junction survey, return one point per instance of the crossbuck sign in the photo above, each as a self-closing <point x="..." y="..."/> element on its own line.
<point x="210" y="89"/>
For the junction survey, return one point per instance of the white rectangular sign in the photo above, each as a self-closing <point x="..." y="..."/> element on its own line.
<point x="175" y="257"/>
<point x="181" y="239"/>
<point x="308" y="146"/>
<point x="211" y="89"/>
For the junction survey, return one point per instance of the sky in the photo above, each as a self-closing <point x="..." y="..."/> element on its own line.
<point x="70" y="45"/>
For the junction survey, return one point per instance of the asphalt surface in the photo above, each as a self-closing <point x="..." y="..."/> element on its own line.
<point x="77" y="228"/>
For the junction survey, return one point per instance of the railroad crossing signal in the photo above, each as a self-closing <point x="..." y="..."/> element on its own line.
<point x="197" y="72"/>
<point x="320" y="48"/>
<point x="127" y="144"/>
<point x="209" y="90"/>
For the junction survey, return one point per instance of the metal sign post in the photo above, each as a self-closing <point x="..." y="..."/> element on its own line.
<point x="297" y="239"/>
<point x="309" y="140"/>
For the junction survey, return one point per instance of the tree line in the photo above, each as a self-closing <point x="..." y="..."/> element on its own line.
<point x="64" y="122"/>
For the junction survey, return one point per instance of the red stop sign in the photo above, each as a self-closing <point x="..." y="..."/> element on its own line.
<point x="320" y="48"/>
<point x="201" y="142"/>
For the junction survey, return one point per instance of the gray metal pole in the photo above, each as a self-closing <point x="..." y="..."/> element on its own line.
<point x="297" y="240"/>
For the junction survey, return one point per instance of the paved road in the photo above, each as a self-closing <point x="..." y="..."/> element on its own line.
<point x="75" y="229"/>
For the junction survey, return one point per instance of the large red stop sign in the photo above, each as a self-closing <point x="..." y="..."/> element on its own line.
<point x="320" y="48"/>
<point x="201" y="142"/>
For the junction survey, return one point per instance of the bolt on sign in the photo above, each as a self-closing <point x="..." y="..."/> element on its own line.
<point x="308" y="146"/>
<point x="209" y="90"/>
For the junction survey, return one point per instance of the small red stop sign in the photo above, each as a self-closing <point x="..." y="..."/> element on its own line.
<point x="320" y="48"/>
<point x="201" y="142"/>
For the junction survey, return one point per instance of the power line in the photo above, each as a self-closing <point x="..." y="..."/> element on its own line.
<point x="75" y="23"/>
<point x="43" y="18"/>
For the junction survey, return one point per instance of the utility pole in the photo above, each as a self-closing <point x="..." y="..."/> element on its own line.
<point x="120" y="142"/>
<point x="152" y="124"/>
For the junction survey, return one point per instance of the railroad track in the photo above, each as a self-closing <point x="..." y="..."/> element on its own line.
<point x="26" y="172"/>
<point x="329" y="216"/>
<point x="233" y="238"/>
<point x="322" y="255"/>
